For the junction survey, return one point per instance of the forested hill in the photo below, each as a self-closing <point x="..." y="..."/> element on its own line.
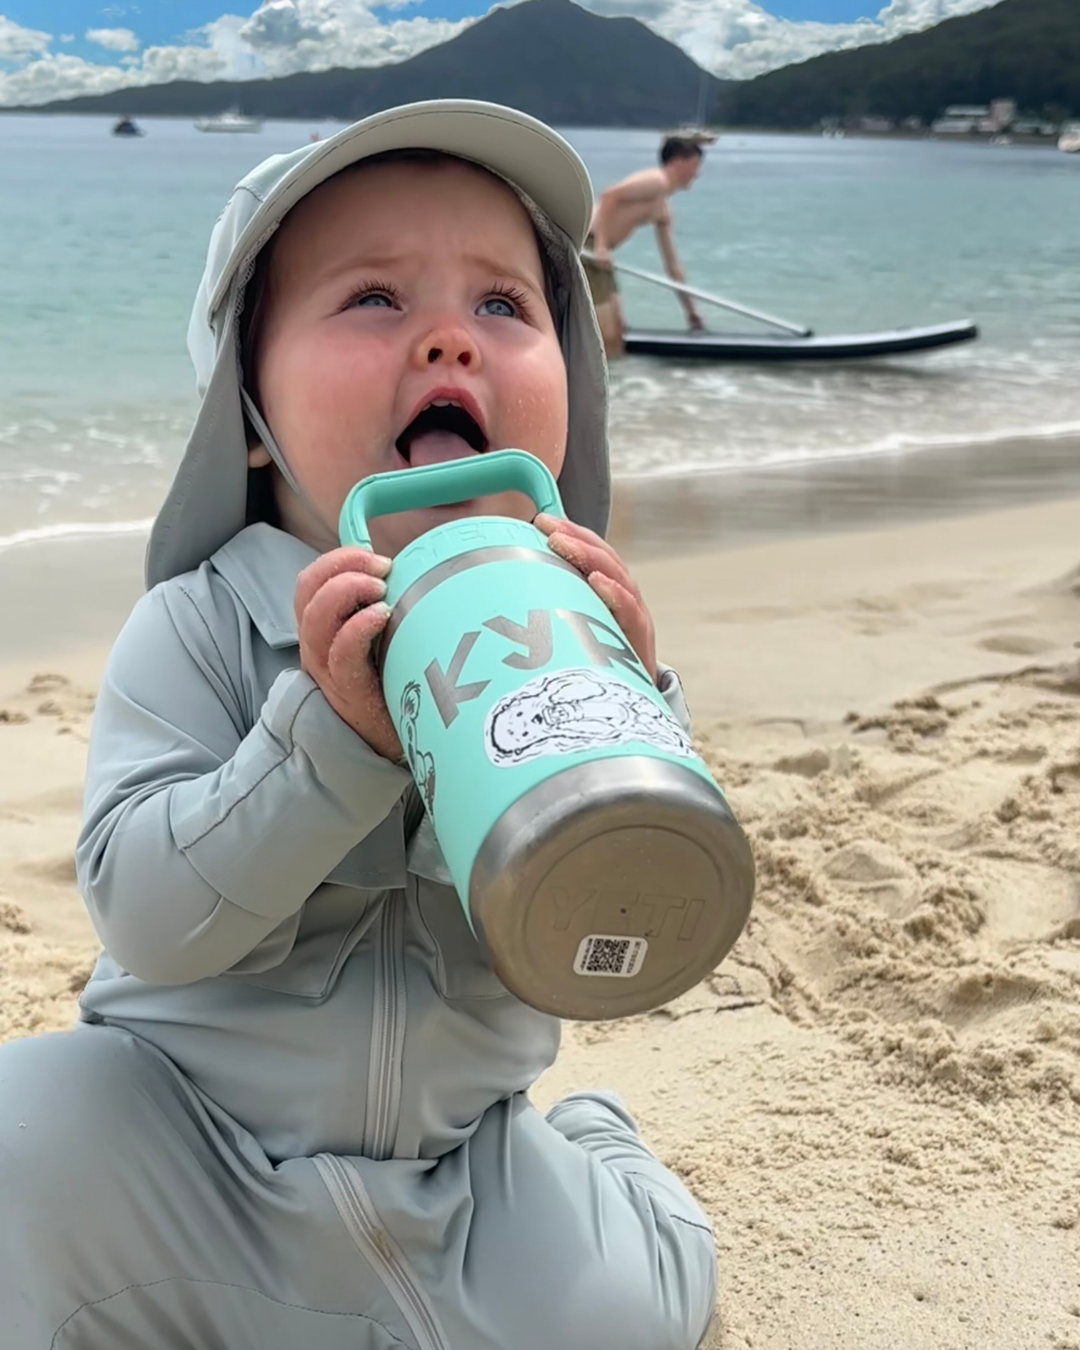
<point x="1028" y="50"/>
<point x="550" y="58"/>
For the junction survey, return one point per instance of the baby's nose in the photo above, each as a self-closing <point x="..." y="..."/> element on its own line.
<point x="463" y="356"/>
<point x="449" y="344"/>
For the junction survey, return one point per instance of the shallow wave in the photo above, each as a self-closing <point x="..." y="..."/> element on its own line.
<point x="73" y="530"/>
<point x="892" y="444"/>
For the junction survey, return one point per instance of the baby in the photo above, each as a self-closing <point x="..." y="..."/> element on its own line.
<point x="294" y="1109"/>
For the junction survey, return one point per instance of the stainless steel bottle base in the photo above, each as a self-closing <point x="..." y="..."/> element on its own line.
<point x="611" y="888"/>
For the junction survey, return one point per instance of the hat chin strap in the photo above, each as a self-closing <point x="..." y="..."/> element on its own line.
<point x="266" y="437"/>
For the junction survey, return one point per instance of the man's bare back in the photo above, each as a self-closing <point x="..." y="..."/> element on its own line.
<point x="640" y="199"/>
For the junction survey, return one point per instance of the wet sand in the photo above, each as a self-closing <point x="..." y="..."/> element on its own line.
<point x="728" y="510"/>
<point x="72" y="595"/>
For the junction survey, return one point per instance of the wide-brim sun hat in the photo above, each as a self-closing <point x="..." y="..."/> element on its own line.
<point x="206" y="504"/>
<point x="515" y="146"/>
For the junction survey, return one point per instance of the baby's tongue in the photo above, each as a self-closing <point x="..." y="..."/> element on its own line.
<point x="438" y="447"/>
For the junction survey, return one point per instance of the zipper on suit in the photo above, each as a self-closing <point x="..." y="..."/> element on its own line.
<point x="388" y="1017"/>
<point x="361" y="1219"/>
<point x="389" y="1010"/>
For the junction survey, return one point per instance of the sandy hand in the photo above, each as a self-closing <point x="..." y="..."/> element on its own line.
<point x="606" y="573"/>
<point x="340" y="612"/>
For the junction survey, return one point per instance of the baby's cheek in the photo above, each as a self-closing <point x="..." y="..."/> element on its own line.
<point x="537" y="417"/>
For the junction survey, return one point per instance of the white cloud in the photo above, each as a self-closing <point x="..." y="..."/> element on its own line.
<point x="292" y="35"/>
<point x="113" y="39"/>
<point x="279" y="38"/>
<point x="19" y="44"/>
<point x="736" y="38"/>
<point x="739" y="39"/>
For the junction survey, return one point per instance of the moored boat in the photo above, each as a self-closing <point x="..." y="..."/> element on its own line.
<point x="127" y="127"/>
<point x="1069" y="141"/>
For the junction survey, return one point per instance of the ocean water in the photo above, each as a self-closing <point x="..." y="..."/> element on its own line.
<point x="103" y="242"/>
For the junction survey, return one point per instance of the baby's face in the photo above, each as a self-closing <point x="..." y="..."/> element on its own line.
<point x="392" y="286"/>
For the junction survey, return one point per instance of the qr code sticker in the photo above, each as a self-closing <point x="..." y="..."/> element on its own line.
<point x="601" y="954"/>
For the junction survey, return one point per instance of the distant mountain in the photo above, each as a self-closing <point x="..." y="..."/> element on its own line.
<point x="1028" y="50"/>
<point x="550" y="58"/>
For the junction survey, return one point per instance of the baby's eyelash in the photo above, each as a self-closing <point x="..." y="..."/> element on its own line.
<point x="513" y="293"/>
<point x="386" y="288"/>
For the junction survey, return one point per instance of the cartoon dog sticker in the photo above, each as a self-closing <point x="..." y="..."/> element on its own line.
<point x="421" y="763"/>
<point x="573" y="711"/>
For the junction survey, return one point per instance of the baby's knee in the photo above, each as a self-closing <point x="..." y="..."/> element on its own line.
<point x="652" y="1311"/>
<point x="67" y="1103"/>
<point x="653" y="1287"/>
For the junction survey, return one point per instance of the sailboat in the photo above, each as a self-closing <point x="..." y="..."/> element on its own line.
<point x="697" y="132"/>
<point x="233" y="120"/>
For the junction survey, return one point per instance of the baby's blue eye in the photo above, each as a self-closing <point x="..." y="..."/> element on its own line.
<point x="498" y="307"/>
<point x="374" y="300"/>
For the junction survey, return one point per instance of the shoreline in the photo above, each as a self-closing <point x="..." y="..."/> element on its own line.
<point x="722" y="129"/>
<point x="66" y="597"/>
<point x="717" y="511"/>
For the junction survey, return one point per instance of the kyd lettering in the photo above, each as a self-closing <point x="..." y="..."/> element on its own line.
<point x="445" y="690"/>
<point x="535" y="637"/>
<point x="603" y="653"/>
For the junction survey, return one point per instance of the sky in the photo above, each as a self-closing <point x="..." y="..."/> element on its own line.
<point x="59" y="48"/>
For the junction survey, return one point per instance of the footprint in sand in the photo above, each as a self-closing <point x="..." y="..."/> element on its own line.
<point x="47" y="682"/>
<point x="12" y="918"/>
<point x="1016" y="644"/>
<point x="60" y="870"/>
<point x="878" y="873"/>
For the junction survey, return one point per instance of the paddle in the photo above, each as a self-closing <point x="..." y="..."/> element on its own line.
<point x="800" y="330"/>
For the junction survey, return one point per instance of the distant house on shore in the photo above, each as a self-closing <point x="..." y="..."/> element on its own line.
<point x="1035" y="127"/>
<point x="876" y="124"/>
<point x="962" y="119"/>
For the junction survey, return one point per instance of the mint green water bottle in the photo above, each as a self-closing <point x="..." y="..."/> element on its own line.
<point x="597" y="862"/>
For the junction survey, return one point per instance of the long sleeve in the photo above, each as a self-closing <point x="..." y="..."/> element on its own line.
<point x="671" y="690"/>
<point x="202" y="836"/>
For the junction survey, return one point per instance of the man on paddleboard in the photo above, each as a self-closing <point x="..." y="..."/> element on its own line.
<point x="640" y="199"/>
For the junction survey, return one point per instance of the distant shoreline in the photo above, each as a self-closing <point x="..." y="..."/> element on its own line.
<point x="720" y="128"/>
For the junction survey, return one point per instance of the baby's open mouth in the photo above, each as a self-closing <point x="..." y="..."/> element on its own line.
<point x="440" y="432"/>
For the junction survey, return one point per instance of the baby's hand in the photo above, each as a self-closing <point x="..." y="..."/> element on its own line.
<point x="339" y="614"/>
<point x="606" y="573"/>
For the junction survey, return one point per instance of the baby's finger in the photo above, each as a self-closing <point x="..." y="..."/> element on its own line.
<point x="332" y="606"/>
<point x="337" y="562"/>
<point x="631" y="615"/>
<point x="550" y="525"/>
<point x="348" y="659"/>
<point x="589" y="558"/>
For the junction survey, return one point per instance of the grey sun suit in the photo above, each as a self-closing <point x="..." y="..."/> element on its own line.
<point x="294" y="1112"/>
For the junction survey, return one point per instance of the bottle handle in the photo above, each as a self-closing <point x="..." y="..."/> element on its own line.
<point x="384" y="494"/>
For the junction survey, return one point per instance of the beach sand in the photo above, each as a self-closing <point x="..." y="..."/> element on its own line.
<point x="877" y="1096"/>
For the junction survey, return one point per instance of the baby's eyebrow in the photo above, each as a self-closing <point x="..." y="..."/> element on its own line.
<point x="503" y="268"/>
<point x="371" y="262"/>
<point x="390" y="262"/>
